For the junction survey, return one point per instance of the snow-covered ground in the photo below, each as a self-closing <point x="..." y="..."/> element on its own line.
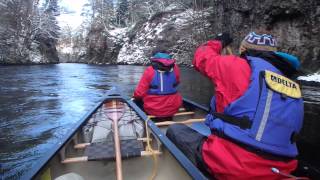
<point x="312" y="77"/>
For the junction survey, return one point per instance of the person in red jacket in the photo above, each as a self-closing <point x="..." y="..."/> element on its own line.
<point x="218" y="155"/>
<point x="158" y="86"/>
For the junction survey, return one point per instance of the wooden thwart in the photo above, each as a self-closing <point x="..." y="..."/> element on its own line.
<point x="144" y="139"/>
<point x="81" y="146"/>
<point x="189" y="121"/>
<point x="84" y="145"/>
<point x="75" y="159"/>
<point x="85" y="158"/>
<point x="177" y="114"/>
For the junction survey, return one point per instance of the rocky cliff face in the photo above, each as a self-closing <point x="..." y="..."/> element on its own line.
<point x="44" y="52"/>
<point x="101" y="45"/>
<point x="26" y="35"/>
<point x="295" y="24"/>
<point x="37" y="52"/>
<point x="178" y="31"/>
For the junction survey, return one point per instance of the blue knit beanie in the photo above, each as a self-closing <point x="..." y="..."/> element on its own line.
<point x="292" y="60"/>
<point x="161" y="55"/>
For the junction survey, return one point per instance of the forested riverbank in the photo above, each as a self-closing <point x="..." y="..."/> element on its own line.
<point x="127" y="31"/>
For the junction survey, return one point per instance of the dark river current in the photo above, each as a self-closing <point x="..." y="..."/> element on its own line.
<point x="40" y="103"/>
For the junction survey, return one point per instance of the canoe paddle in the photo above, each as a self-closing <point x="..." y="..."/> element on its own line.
<point x="116" y="111"/>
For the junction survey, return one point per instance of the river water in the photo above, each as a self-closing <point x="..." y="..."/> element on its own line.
<point x="40" y="103"/>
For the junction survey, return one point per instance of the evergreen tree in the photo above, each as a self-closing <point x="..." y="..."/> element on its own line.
<point x="122" y="13"/>
<point x="15" y="29"/>
<point x="52" y="7"/>
<point x="49" y="28"/>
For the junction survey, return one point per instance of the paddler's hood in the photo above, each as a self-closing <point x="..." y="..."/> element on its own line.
<point x="163" y="58"/>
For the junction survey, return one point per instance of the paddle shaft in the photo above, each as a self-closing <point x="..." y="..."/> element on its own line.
<point x="115" y="119"/>
<point x="117" y="150"/>
<point x="229" y="50"/>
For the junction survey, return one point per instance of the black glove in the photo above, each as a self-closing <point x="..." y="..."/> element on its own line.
<point x="224" y="38"/>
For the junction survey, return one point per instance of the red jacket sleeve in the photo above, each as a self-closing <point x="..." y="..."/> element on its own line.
<point x="205" y="56"/>
<point x="230" y="74"/>
<point x="144" y="83"/>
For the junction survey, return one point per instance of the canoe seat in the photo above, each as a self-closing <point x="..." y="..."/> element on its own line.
<point x="105" y="150"/>
<point x="70" y="176"/>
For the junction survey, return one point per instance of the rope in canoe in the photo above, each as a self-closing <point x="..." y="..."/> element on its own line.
<point x="154" y="155"/>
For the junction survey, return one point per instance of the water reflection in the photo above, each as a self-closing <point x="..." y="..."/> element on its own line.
<point x="39" y="104"/>
<point x="196" y="87"/>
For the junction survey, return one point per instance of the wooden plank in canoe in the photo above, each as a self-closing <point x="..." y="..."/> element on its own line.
<point x="81" y="146"/>
<point x="84" y="145"/>
<point x="75" y="159"/>
<point x="177" y="114"/>
<point x="189" y="121"/>
<point x="85" y="158"/>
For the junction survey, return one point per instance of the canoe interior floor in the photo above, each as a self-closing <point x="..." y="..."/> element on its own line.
<point x="134" y="168"/>
<point x="138" y="168"/>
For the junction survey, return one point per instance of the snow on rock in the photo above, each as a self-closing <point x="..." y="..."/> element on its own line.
<point x="177" y="31"/>
<point x="67" y="50"/>
<point x="118" y="33"/>
<point x="35" y="57"/>
<point x="312" y="77"/>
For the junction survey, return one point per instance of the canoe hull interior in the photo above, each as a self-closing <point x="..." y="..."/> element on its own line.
<point x="98" y="129"/>
<point x="137" y="168"/>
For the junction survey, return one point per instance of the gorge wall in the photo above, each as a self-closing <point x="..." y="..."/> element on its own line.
<point x="180" y="29"/>
<point x="294" y="23"/>
<point x="28" y="33"/>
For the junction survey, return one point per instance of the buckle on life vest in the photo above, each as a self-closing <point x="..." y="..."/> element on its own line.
<point x="242" y="122"/>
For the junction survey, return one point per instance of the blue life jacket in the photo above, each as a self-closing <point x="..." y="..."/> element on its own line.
<point x="268" y="115"/>
<point x="163" y="83"/>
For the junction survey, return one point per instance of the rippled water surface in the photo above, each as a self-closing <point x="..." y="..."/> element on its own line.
<point x="39" y="104"/>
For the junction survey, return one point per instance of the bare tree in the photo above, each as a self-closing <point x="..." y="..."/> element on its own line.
<point x="22" y="23"/>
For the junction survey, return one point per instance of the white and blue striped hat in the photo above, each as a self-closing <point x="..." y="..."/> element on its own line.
<point x="262" y="42"/>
